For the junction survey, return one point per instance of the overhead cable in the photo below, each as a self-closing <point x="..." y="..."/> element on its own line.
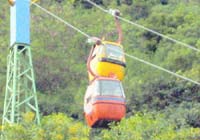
<point x="145" y="28"/>
<point x="162" y="69"/>
<point x="61" y="20"/>
<point x="128" y="55"/>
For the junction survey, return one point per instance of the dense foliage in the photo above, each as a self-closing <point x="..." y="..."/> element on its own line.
<point x="169" y="106"/>
<point x="149" y="127"/>
<point x="53" y="127"/>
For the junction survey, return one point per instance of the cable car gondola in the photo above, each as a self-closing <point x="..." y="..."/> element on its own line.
<point x="107" y="58"/>
<point x="104" y="102"/>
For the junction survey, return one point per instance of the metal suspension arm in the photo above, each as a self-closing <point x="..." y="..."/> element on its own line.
<point x="116" y="13"/>
<point x="119" y="29"/>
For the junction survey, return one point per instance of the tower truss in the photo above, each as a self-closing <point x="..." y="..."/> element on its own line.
<point x="20" y="96"/>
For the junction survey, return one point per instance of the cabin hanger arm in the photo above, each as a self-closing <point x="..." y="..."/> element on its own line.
<point x="116" y="13"/>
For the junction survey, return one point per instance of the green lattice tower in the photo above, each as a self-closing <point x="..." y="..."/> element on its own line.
<point x="20" y="96"/>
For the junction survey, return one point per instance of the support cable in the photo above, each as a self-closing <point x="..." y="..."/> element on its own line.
<point x="128" y="55"/>
<point x="61" y="20"/>
<point x="162" y="69"/>
<point x="147" y="29"/>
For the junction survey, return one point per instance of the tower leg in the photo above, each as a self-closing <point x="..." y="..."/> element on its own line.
<point x="20" y="96"/>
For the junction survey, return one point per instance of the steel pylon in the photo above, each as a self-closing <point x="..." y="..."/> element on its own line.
<point x="20" y="96"/>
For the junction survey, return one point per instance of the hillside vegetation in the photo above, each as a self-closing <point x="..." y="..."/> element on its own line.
<point x="159" y="105"/>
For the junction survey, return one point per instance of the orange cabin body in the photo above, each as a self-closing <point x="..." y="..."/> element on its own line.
<point x="106" y="110"/>
<point x="100" y="107"/>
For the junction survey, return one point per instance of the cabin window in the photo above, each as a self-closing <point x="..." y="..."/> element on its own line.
<point x="96" y="88"/>
<point x="102" y="50"/>
<point x="114" y="52"/>
<point x="111" y="88"/>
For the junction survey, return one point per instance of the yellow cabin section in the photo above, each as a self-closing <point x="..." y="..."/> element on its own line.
<point x="108" y="60"/>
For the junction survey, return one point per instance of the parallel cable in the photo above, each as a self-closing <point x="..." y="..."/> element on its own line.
<point x="128" y="55"/>
<point x="147" y="29"/>
<point x="61" y="20"/>
<point x="162" y="69"/>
